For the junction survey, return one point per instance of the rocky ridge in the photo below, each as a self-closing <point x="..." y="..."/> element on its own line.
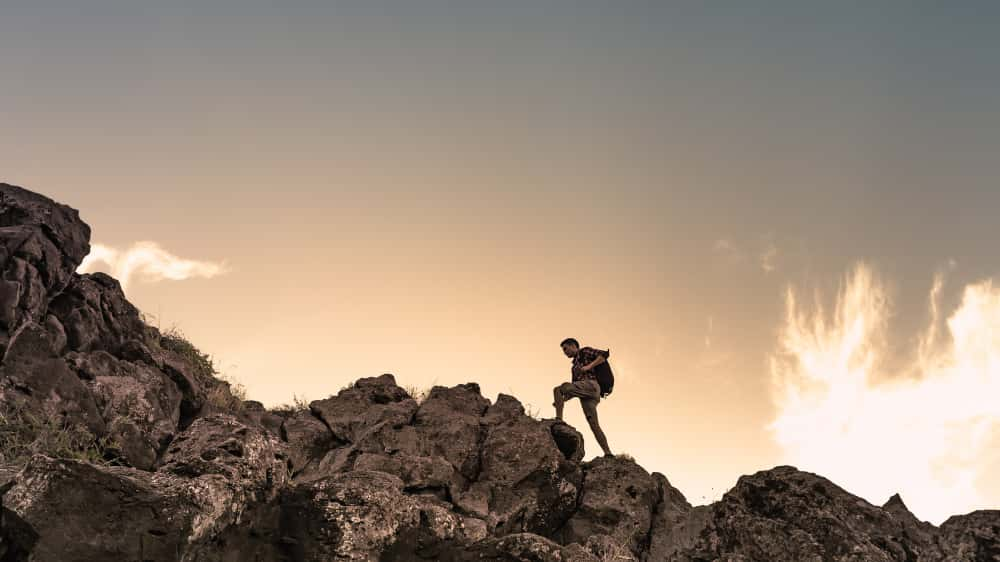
<point x="187" y="471"/>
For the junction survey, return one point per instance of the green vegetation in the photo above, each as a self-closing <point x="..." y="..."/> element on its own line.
<point x="24" y="433"/>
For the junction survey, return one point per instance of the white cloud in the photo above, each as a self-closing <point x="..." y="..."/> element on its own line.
<point x="768" y="257"/>
<point x="147" y="260"/>
<point x="924" y="433"/>
<point x="736" y="254"/>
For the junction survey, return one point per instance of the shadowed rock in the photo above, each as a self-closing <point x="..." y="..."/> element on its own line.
<point x="619" y="499"/>
<point x="93" y="313"/>
<point x="41" y="245"/>
<point x="785" y="514"/>
<point x="71" y="511"/>
<point x="973" y="537"/>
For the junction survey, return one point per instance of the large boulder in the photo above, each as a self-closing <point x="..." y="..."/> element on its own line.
<point x="619" y="499"/>
<point x="140" y="405"/>
<point x="523" y="547"/>
<point x="449" y="425"/>
<point x="973" y="537"/>
<point x="368" y="402"/>
<point x="919" y="538"/>
<point x="31" y="374"/>
<point x="670" y="521"/>
<point x="525" y="482"/>
<point x="64" y="510"/>
<point x="94" y="314"/>
<point x="784" y="514"/>
<point x="307" y="436"/>
<point x="361" y="514"/>
<point x="246" y="456"/>
<point x="41" y="245"/>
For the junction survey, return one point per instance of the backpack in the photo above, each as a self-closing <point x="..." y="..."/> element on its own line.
<point x="605" y="377"/>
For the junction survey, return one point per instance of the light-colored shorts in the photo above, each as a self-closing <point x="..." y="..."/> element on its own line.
<point x="587" y="390"/>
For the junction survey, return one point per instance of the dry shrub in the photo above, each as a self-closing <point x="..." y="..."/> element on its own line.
<point x="24" y="433"/>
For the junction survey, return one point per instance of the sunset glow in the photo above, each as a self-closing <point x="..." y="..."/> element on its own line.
<point x="923" y="432"/>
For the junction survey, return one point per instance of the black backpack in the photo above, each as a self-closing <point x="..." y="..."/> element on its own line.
<point x="605" y="377"/>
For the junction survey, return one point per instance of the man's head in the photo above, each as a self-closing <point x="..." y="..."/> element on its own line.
<point x="570" y="347"/>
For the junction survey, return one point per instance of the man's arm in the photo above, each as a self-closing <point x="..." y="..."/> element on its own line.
<point x="602" y="356"/>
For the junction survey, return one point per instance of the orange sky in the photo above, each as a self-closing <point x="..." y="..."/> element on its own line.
<point x="445" y="193"/>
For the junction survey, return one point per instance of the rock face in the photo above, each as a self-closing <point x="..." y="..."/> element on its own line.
<point x="370" y="473"/>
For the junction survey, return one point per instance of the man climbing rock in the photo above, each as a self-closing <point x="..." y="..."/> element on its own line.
<point x="584" y="386"/>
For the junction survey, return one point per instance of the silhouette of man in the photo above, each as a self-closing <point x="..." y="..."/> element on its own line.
<point x="584" y="386"/>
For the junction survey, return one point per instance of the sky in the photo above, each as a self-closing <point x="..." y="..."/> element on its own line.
<point x="779" y="217"/>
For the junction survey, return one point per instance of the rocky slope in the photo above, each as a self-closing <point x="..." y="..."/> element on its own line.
<point x="185" y="471"/>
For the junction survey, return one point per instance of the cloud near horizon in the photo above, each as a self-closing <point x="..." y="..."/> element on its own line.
<point x="925" y="433"/>
<point x="147" y="260"/>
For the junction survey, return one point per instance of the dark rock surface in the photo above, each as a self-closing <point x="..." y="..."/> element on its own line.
<point x="370" y="473"/>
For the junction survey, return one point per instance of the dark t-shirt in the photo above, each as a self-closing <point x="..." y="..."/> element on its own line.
<point x="586" y="356"/>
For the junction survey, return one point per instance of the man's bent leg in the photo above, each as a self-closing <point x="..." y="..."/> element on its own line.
<point x="590" y="411"/>
<point x="559" y="400"/>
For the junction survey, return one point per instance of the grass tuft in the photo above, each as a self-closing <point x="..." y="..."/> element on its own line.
<point x="24" y="433"/>
<point x="298" y="404"/>
<point x="417" y="393"/>
<point x="227" y="394"/>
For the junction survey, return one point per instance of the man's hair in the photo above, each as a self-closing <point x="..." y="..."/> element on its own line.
<point x="569" y="340"/>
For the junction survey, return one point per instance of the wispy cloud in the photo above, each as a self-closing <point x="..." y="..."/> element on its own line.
<point x="148" y="261"/>
<point x="711" y="357"/>
<point x="726" y="248"/>
<point x="924" y="433"/>
<point x="735" y="253"/>
<point x="768" y="257"/>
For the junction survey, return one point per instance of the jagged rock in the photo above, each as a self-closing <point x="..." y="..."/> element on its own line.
<point x="140" y="405"/>
<point x="568" y="439"/>
<point x="71" y="511"/>
<point x="192" y="380"/>
<point x="355" y="409"/>
<point x="449" y="425"/>
<point x="57" y="334"/>
<point x="784" y="514"/>
<point x="358" y="515"/>
<point x="619" y="499"/>
<point x="920" y="537"/>
<point x="41" y="245"/>
<point x="220" y="444"/>
<point x="974" y="537"/>
<point x="426" y="474"/>
<point x="308" y="438"/>
<point x="525" y="479"/>
<point x="256" y="414"/>
<point x="96" y="315"/>
<point x="32" y="373"/>
<point x="527" y="547"/>
<point x="670" y="520"/>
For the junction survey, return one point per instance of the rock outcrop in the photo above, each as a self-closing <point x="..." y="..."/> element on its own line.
<point x="371" y="473"/>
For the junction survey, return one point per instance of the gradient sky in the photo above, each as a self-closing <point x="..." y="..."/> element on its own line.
<point x="446" y="190"/>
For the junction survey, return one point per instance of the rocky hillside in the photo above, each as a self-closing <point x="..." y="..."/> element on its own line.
<point x="119" y="443"/>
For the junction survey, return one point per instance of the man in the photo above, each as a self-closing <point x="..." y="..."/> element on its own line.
<point x="584" y="386"/>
